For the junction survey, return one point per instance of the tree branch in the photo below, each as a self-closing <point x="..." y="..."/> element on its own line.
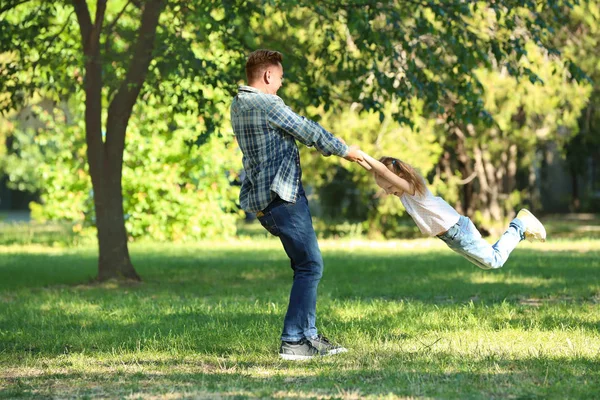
<point x="468" y="179"/>
<point x="9" y="7"/>
<point x="110" y="28"/>
<point x="85" y="21"/>
<point x="90" y="33"/>
<point x="61" y="30"/>
<point x="97" y="28"/>
<point x="142" y="55"/>
<point x="114" y="22"/>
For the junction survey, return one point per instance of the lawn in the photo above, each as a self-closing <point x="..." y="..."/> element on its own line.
<point x="419" y="322"/>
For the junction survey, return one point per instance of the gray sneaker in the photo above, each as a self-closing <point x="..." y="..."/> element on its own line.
<point x="302" y="350"/>
<point x="325" y="346"/>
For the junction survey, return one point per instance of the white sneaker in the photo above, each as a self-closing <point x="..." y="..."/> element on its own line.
<point x="534" y="230"/>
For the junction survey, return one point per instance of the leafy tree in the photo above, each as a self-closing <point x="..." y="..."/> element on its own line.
<point x="180" y="52"/>
<point x="580" y="40"/>
<point x="114" y="60"/>
<point x="527" y="114"/>
<point x="494" y="84"/>
<point x="351" y="196"/>
<point x="173" y="189"/>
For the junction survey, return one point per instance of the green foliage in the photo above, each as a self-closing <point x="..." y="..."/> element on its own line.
<point x="179" y="160"/>
<point x="174" y="189"/>
<point x="375" y="52"/>
<point x="535" y="111"/>
<point x="346" y="192"/>
<point x="580" y="41"/>
<point x="39" y="51"/>
<point x="415" y="63"/>
<point x="528" y="115"/>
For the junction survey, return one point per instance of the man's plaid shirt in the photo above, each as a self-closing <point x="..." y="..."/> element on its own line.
<point x="266" y="131"/>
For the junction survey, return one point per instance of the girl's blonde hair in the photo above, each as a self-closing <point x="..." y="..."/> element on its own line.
<point x="407" y="172"/>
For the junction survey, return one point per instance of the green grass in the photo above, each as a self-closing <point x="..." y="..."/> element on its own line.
<point x="419" y="320"/>
<point x="560" y="226"/>
<point x="22" y="233"/>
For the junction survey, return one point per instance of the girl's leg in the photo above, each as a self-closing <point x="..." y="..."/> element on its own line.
<point x="509" y="240"/>
<point x="467" y="241"/>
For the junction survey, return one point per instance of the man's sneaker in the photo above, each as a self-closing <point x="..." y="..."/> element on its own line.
<point x="534" y="230"/>
<point x="302" y="350"/>
<point x="325" y="346"/>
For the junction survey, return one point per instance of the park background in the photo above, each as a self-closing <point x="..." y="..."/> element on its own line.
<point x="127" y="268"/>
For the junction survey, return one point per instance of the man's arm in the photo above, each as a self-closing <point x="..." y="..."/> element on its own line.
<point x="309" y="132"/>
<point x="380" y="169"/>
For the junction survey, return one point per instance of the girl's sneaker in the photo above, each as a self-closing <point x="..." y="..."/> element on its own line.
<point x="534" y="230"/>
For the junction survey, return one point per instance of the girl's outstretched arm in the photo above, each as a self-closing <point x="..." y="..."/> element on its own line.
<point x="384" y="172"/>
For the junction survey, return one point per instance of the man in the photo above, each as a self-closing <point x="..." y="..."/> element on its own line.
<point x="266" y="131"/>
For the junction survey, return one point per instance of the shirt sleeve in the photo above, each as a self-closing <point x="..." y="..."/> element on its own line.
<point x="304" y="130"/>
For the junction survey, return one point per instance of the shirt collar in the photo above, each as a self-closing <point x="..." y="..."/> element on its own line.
<point x="244" y="88"/>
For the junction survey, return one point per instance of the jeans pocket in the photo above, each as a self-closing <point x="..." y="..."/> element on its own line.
<point x="268" y="222"/>
<point x="453" y="232"/>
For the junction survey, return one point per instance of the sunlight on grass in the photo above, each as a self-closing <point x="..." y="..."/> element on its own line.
<point x="419" y="321"/>
<point x="515" y="278"/>
<point x="33" y="249"/>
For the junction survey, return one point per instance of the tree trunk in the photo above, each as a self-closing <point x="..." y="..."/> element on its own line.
<point x="105" y="157"/>
<point x="114" y="261"/>
<point x="575" y="201"/>
<point x="466" y="169"/>
<point x="511" y="169"/>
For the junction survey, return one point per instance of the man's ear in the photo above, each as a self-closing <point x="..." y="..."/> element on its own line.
<point x="267" y="76"/>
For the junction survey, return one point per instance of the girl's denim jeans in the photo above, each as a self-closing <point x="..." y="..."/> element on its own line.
<point x="466" y="240"/>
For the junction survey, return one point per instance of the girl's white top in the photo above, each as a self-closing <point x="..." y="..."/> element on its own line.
<point x="431" y="213"/>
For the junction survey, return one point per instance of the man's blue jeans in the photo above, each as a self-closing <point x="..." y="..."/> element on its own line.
<point x="466" y="240"/>
<point x="292" y="223"/>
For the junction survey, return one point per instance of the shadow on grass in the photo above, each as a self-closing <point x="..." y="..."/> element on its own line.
<point x="211" y="302"/>
<point x="216" y="314"/>
<point x="435" y="277"/>
<point x="23" y="270"/>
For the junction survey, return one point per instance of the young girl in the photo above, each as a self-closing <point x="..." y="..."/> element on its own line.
<point x="435" y="217"/>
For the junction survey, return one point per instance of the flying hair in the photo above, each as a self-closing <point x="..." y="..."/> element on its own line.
<point x="407" y="172"/>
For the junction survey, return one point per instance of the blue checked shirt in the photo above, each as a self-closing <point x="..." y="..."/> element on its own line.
<point x="266" y="131"/>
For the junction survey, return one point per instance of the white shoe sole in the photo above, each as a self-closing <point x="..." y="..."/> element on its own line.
<point x="339" y="350"/>
<point x="295" y="357"/>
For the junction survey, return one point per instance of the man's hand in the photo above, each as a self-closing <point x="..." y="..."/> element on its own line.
<point x="365" y="162"/>
<point x="354" y="154"/>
